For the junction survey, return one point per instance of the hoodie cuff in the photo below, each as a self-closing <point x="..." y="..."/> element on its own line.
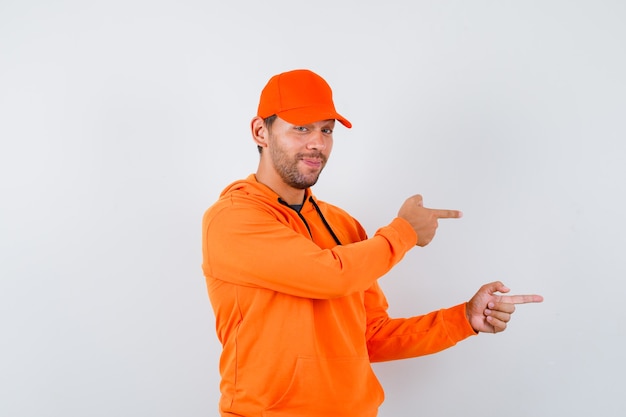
<point x="405" y="231"/>
<point x="457" y="325"/>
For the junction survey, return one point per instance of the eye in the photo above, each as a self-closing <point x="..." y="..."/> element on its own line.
<point x="328" y="131"/>
<point x="300" y="128"/>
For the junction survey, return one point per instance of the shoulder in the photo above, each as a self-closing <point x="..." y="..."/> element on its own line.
<point x="241" y="209"/>
<point x="237" y="203"/>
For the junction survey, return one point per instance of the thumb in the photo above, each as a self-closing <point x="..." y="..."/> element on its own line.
<point x="417" y="199"/>
<point x="496" y="286"/>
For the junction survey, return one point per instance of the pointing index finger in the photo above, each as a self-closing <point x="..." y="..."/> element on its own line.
<point x="447" y="214"/>
<point x="520" y="299"/>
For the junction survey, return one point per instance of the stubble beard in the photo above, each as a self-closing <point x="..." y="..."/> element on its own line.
<point x="288" y="170"/>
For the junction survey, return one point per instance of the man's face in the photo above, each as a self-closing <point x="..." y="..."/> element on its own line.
<point x="299" y="153"/>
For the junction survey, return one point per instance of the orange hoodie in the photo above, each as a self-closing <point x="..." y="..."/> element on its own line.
<point x="301" y="317"/>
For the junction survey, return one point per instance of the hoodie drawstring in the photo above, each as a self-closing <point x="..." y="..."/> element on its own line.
<point x="319" y="213"/>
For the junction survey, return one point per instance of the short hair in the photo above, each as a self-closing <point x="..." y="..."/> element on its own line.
<point x="269" y="121"/>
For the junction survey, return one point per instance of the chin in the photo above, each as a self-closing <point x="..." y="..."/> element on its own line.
<point x="303" y="183"/>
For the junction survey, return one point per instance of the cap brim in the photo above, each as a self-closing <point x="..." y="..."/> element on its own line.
<point x="304" y="116"/>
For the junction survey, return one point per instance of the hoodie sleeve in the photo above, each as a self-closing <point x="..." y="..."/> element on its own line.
<point x="247" y="245"/>
<point x="401" y="338"/>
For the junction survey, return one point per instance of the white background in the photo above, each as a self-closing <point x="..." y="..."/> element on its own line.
<point x="121" y="121"/>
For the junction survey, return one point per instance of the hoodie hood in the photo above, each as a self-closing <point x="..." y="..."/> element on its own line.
<point x="251" y="186"/>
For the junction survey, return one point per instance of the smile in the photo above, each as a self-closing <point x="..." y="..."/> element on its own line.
<point x="313" y="163"/>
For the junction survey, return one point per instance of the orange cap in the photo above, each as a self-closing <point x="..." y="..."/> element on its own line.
<point x="299" y="97"/>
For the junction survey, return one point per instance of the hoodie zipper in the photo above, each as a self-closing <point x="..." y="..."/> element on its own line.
<point x="319" y="213"/>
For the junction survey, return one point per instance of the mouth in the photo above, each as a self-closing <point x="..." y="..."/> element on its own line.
<point x="313" y="161"/>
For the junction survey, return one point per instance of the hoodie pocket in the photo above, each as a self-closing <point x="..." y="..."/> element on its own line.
<point x="330" y="387"/>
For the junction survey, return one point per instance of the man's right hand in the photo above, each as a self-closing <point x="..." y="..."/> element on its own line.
<point x="424" y="220"/>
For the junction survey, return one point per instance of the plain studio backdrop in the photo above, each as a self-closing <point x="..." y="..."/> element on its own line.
<point x="121" y="122"/>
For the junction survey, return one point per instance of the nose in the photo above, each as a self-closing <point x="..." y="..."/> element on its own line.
<point x="316" y="140"/>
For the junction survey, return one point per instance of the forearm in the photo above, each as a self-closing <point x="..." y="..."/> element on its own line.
<point x="392" y="339"/>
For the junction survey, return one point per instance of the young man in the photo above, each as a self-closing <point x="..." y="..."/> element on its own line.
<point x="293" y="280"/>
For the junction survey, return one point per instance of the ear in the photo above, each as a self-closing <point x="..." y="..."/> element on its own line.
<point x="259" y="132"/>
